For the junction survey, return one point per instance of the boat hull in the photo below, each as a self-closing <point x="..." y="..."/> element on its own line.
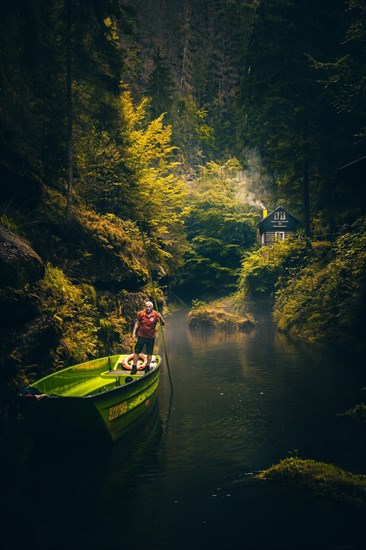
<point x="105" y="413"/>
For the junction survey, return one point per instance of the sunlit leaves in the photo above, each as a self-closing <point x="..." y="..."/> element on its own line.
<point x="220" y="228"/>
<point x="326" y="301"/>
<point x="160" y="192"/>
<point x="75" y="314"/>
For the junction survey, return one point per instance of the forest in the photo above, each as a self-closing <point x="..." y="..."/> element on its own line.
<point x="154" y="132"/>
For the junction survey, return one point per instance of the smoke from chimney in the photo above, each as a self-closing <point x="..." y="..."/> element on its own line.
<point x="251" y="180"/>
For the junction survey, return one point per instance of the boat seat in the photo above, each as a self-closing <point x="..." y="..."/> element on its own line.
<point x="119" y="373"/>
<point x="119" y="361"/>
<point x="87" y="387"/>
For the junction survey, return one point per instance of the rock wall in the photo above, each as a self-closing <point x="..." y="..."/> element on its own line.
<point x="19" y="263"/>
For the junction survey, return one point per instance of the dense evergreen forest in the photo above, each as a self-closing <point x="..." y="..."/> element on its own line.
<point x="180" y="120"/>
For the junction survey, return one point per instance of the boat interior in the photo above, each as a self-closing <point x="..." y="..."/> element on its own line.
<point x="91" y="378"/>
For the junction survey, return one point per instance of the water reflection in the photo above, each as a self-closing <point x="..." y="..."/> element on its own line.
<point x="185" y="479"/>
<point x="68" y="495"/>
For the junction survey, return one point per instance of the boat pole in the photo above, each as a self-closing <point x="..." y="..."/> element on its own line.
<point x="156" y="307"/>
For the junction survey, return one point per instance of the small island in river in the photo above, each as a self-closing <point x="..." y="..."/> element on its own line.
<point x="322" y="479"/>
<point x="203" y="314"/>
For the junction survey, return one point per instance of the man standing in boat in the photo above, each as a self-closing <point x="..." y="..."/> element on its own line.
<point x="145" y="328"/>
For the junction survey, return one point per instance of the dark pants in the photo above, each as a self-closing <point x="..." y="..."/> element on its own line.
<point x="141" y="342"/>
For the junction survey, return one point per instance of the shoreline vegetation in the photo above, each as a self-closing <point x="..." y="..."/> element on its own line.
<point x="317" y="289"/>
<point x="322" y="479"/>
<point x="358" y="412"/>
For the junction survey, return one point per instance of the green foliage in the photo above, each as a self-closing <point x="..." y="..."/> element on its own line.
<point x="327" y="302"/>
<point x="102" y="178"/>
<point x="160" y="193"/>
<point x="160" y="86"/>
<point x="220" y="228"/>
<point x="111" y="333"/>
<point x="33" y="75"/>
<point x="93" y="247"/>
<point x="74" y="313"/>
<point x="128" y="162"/>
<point x="300" y="116"/>
<point x="192" y="132"/>
<point x="320" y="478"/>
<point x="341" y="77"/>
<point x="118" y="243"/>
<point x="206" y="315"/>
<point x="358" y="412"/>
<point x="269" y="267"/>
<point x="9" y="224"/>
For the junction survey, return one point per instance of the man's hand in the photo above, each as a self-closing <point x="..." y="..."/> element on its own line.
<point x="162" y="322"/>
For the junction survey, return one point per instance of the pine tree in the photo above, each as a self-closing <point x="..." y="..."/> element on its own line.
<point x="287" y="117"/>
<point x="160" y="87"/>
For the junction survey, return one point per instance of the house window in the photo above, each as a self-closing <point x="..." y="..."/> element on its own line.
<point x="276" y="215"/>
<point x="279" y="236"/>
<point x="282" y="215"/>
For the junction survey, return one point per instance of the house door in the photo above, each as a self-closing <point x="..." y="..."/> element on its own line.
<point x="279" y="236"/>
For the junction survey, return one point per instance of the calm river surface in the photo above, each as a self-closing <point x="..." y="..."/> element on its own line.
<point x="186" y="480"/>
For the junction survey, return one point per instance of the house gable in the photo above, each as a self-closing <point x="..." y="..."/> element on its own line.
<point x="278" y="220"/>
<point x="279" y="225"/>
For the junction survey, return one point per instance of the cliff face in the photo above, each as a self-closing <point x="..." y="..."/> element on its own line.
<point x="51" y="318"/>
<point x="20" y="264"/>
<point x="24" y="328"/>
<point x="20" y="269"/>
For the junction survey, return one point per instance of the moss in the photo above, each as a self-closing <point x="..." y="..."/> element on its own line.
<point x="117" y="243"/>
<point x="10" y="224"/>
<point x="358" y="413"/>
<point x="320" y="478"/>
<point x="269" y="267"/>
<point x="72" y="308"/>
<point x="325" y="302"/>
<point x="204" y="314"/>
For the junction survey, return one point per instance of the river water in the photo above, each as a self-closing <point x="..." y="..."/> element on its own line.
<point x="186" y="479"/>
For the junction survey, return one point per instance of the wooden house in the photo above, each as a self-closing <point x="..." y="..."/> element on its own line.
<point x="276" y="226"/>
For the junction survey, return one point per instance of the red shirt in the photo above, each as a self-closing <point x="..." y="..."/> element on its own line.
<point x="147" y="324"/>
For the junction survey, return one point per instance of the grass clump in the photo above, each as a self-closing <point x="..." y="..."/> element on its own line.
<point x="9" y="224"/>
<point x="203" y="314"/>
<point x="357" y="413"/>
<point x="320" y="478"/>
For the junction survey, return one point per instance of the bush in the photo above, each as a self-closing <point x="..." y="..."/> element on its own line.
<point x="326" y="301"/>
<point x="270" y="267"/>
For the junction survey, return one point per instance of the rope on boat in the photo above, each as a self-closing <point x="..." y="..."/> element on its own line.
<point x="156" y="307"/>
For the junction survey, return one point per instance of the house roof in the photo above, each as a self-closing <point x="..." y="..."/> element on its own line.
<point x="292" y="218"/>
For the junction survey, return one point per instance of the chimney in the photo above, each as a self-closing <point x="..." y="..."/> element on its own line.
<point x="265" y="213"/>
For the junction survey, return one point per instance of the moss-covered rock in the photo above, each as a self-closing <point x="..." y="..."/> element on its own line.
<point x="20" y="264"/>
<point x="320" y="478"/>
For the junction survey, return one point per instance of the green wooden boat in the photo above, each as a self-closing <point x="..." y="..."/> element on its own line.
<point x="96" y="400"/>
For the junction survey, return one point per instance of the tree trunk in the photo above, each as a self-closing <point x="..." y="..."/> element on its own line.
<point x="306" y="183"/>
<point x="186" y="34"/>
<point x="70" y="152"/>
<point x="306" y="197"/>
